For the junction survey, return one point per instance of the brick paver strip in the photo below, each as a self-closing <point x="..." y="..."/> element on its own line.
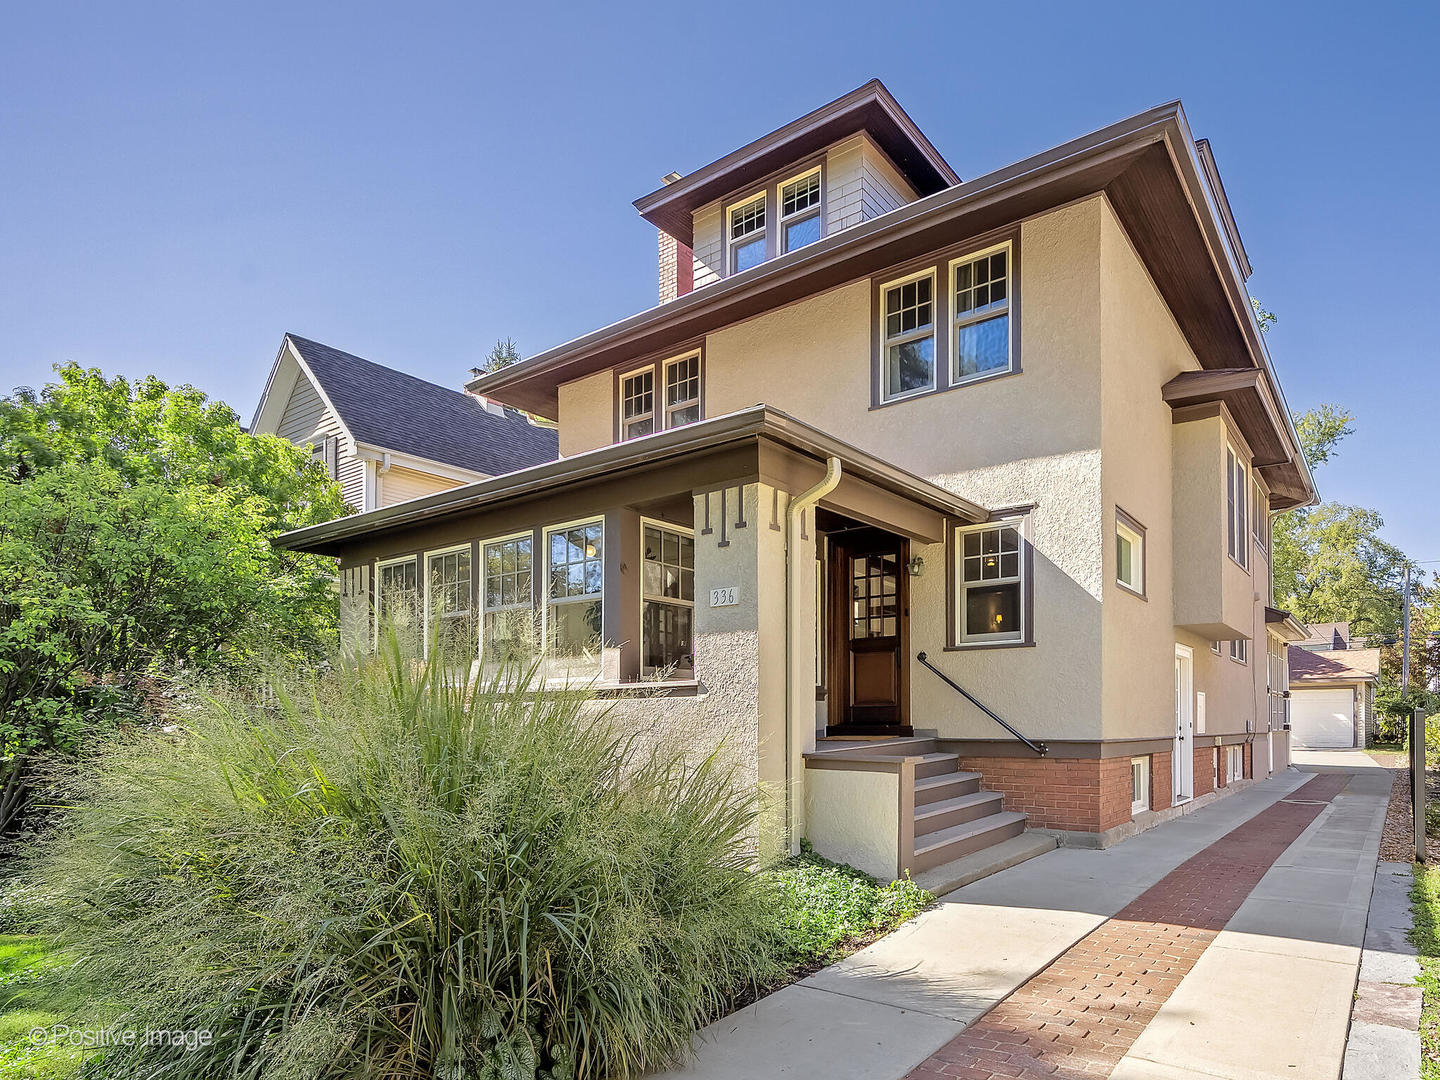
<point x="1078" y="1017"/>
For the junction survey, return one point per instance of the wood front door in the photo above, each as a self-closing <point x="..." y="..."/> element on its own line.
<point x="869" y="633"/>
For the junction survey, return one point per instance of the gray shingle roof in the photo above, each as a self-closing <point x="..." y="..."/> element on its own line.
<point x="394" y="411"/>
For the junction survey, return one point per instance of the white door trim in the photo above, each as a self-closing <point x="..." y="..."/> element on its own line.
<point x="1182" y="758"/>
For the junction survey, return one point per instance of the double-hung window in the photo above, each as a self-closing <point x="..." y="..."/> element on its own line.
<point x="981" y="311"/>
<point x="682" y="391"/>
<point x="397" y="600"/>
<point x="1129" y="553"/>
<point x="449" y="610"/>
<point x="1237" y="490"/>
<point x="575" y="595"/>
<point x="668" y="594"/>
<point x="990" y="580"/>
<point x="507" y="630"/>
<point x="800" y="211"/>
<point x="1240" y="650"/>
<point x="746" y="230"/>
<point x="909" y="337"/>
<point x="637" y="404"/>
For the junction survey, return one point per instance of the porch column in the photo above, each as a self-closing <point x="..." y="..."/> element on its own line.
<point x="740" y="642"/>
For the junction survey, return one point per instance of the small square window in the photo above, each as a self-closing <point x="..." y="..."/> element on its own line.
<point x="1129" y="555"/>
<point x="1139" y="785"/>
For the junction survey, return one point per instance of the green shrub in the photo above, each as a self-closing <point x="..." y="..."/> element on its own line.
<point x="827" y="908"/>
<point x="381" y="877"/>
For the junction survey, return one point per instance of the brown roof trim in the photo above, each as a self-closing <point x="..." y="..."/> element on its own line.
<point x="757" y="422"/>
<point x="1246" y="394"/>
<point x="1222" y="206"/>
<point x="1146" y="165"/>
<point x="1289" y="627"/>
<point x="869" y="108"/>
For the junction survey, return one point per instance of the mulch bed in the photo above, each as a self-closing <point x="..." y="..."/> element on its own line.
<point x="1397" y="843"/>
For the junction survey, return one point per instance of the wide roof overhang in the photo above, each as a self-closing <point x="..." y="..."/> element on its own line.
<point x="759" y="443"/>
<point x="870" y="109"/>
<point x="1146" y="166"/>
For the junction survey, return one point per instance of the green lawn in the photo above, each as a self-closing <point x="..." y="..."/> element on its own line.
<point x="1425" y="898"/>
<point x="29" y="999"/>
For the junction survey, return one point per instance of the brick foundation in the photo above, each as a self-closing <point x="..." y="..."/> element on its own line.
<point x="1079" y="794"/>
<point x="1205" y="773"/>
<point x="1162" y="780"/>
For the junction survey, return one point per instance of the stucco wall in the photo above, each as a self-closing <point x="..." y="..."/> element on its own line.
<point x="587" y="413"/>
<point x="854" y="817"/>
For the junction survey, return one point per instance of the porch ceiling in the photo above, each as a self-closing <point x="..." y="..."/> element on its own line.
<point x="759" y="443"/>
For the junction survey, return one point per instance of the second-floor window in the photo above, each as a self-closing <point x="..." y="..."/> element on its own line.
<point x="637" y="404"/>
<point x="1237" y="490"/>
<point x="982" y="315"/>
<point x="1258" y="517"/>
<point x="682" y="391"/>
<point x="800" y="211"/>
<point x="909" y="347"/>
<point x="661" y="395"/>
<point x="747" y="234"/>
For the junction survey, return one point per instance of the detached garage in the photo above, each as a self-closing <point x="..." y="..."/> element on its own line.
<point x="1332" y="694"/>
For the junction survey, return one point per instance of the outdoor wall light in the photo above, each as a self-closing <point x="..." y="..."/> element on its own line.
<point x="916" y="566"/>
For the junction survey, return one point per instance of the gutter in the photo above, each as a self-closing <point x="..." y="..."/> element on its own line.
<point x="798" y="505"/>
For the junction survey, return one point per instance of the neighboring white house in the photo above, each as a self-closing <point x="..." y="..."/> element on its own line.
<point x="386" y="436"/>
<point x="1332" y="689"/>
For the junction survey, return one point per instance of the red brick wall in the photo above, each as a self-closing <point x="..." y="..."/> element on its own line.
<point x="1082" y="794"/>
<point x="1162" y="780"/>
<point x="1247" y="762"/>
<point x="1205" y="771"/>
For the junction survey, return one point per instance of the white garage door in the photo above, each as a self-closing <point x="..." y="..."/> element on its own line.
<point x="1322" y="718"/>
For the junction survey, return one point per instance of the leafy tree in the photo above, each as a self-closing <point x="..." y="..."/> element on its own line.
<point x="502" y="355"/>
<point x="1266" y="319"/>
<point x="135" y="528"/>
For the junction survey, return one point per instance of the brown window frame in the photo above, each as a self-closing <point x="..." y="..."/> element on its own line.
<point x="657" y="366"/>
<point x="1023" y="516"/>
<point x="941" y="265"/>
<point x="1127" y="521"/>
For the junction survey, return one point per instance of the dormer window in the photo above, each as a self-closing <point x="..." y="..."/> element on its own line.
<point x="637" y="398"/>
<point x="747" y="234"/>
<point x="800" y="211"/>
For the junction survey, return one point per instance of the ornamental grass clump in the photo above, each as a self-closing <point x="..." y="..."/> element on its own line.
<point x="382" y="874"/>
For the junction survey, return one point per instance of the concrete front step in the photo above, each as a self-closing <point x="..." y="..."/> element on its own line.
<point x="932" y="817"/>
<point x="947" y="877"/>
<point x="946" y="845"/>
<point x="933" y="789"/>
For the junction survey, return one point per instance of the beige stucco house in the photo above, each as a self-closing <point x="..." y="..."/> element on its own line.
<point x="945" y="505"/>
<point x="386" y="436"/>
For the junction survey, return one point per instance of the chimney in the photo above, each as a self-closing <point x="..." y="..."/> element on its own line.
<point x="677" y="265"/>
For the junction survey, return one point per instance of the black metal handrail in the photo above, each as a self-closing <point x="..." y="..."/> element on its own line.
<point x="1039" y="748"/>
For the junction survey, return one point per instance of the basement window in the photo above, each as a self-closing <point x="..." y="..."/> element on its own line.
<point x="1139" y="785"/>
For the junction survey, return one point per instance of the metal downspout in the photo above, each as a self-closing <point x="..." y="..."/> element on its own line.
<point x="798" y="505"/>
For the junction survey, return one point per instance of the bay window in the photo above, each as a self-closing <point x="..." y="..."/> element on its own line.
<point x="668" y="602"/>
<point x="574" y="595"/>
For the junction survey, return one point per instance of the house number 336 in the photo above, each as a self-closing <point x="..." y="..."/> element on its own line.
<point x="727" y="597"/>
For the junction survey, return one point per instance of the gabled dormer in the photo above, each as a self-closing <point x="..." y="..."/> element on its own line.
<point x="849" y="161"/>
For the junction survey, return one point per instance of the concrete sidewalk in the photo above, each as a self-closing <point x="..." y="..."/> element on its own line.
<point x="886" y="1009"/>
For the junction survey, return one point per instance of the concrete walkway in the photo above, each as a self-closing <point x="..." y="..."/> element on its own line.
<point x="1266" y="996"/>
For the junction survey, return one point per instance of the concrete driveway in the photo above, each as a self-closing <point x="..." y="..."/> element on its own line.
<point x="1223" y="943"/>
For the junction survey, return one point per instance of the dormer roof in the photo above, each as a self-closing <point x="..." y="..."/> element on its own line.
<point x="870" y="109"/>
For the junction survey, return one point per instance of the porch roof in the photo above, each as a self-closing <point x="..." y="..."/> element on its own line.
<point x="758" y="427"/>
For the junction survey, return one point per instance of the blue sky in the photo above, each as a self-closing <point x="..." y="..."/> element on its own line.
<point x="182" y="183"/>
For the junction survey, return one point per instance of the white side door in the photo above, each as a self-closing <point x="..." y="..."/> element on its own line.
<point x="1182" y="759"/>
